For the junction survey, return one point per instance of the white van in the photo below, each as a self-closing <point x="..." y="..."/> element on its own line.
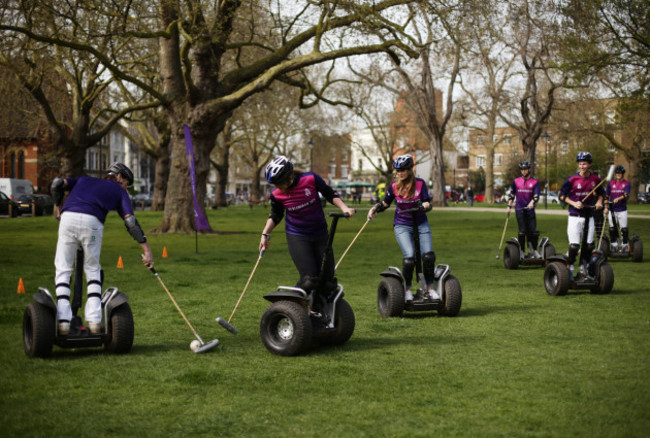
<point x="15" y="188"/>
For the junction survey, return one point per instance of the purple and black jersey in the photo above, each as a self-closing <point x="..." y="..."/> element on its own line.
<point x="301" y="203"/>
<point x="421" y="194"/>
<point x="96" y="197"/>
<point x="616" y="189"/>
<point x="524" y="189"/>
<point x="577" y="187"/>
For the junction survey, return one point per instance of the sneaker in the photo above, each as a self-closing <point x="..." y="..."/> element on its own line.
<point x="571" y="268"/>
<point x="537" y="255"/>
<point x="522" y="255"/>
<point x="583" y="271"/>
<point x="64" y="328"/>
<point x="408" y="295"/>
<point x="434" y="295"/>
<point x="95" y="327"/>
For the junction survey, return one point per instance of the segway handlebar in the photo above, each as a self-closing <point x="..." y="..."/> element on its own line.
<point x="337" y="214"/>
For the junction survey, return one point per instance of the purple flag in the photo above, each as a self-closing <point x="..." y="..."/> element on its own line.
<point x="199" y="217"/>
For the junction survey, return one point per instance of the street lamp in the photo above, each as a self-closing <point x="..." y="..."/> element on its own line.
<point x="311" y="155"/>
<point x="546" y="138"/>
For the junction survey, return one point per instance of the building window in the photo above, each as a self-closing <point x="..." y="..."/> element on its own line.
<point x="332" y="170"/>
<point x="495" y="139"/>
<point x="480" y="140"/>
<point x="480" y="161"/>
<point x="498" y="160"/>
<point x="360" y="164"/>
<point x="344" y="171"/>
<point x="564" y="147"/>
<point x="507" y="139"/>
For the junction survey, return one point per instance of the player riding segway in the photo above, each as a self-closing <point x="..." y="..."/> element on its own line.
<point x="619" y="244"/>
<point x="315" y="311"/>
<point x="583" y="193"/>
<point x="40" y="328"/>
<point x="525" y="189"/>
<point x="437" y="288"/>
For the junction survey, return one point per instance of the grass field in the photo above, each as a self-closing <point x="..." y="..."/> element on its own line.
<point x="515" y="361"/>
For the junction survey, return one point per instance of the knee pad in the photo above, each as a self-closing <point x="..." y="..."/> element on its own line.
<point x="408" y="264"/>
<point x="308" y="283"/>
<point x="625" y="232"/>
<point x="429" y="261"/>
<point x="573" y="253"/>
<point x="522" y="241"/>
<point x="613" y="235"/>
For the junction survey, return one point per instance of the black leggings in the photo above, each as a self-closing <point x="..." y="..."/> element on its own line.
<point x="307" y="254"/>
<point x="527" y="222"/>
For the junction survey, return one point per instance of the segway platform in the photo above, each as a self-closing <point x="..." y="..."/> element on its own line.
<point x="512" y="254"/>
<point x="633" y="250"/>
<point x="558" y="279"/>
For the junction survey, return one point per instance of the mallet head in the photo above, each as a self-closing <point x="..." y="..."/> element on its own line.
<point x="207" y="346"/>
<point x="225" y="324"/>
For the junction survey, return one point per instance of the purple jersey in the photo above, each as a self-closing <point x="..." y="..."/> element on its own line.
<point x="577" y="187"/>
<point x="524" y="189"/>
<point x="421" y="194"/>
<point x="96" y="197"/>
<point x="617" y="189"/>
<point x="301" y="203"/>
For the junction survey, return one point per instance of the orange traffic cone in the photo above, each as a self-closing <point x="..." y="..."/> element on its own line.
<point x="165" y="252"/>
<point x="120" y="264"/>
<point x="21" y="287"/>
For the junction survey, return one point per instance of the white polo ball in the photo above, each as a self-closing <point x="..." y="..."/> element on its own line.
<point x="194" y="345"/>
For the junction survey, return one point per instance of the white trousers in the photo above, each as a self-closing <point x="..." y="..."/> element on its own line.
<point x="78" y="230"/>
<point x="576" y="226"/>
<point x="621" y="218"/>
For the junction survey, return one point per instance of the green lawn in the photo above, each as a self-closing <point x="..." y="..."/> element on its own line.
<point x="514" y="362"/>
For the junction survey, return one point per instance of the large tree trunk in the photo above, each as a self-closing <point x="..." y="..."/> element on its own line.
<point x="72" y="160"/>
<point x="162" y="176"/>
<point x="437" y="173"/>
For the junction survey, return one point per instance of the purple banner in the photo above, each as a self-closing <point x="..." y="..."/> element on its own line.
<point x="199" y="217"/>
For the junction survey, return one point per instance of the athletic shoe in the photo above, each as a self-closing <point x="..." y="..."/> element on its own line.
<point x="408" y="295"/>
<point x="537" y="255"/>
<point x="64" y="328"/>
<point x="571" y="268"/>
<point x="95" y="327"/>
<point x="434" y="295"/>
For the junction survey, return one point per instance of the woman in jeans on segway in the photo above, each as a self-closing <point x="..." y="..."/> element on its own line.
<point x="296" y="194"/>
<point x="410" y="192"/>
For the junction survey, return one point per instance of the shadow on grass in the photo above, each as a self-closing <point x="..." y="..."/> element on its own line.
<point x="137" y="350"/>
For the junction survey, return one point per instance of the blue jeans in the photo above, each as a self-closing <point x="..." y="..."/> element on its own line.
<point x="404" y="236"/>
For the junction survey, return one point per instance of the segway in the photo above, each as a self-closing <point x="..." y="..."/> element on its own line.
<point x="633" y="249"/>
<point x="315" y="312"/>
<point x="391" y="300"/>
<point x="513" y="254"/>
<point x="40" y="326"/>
<point x="596" y="275"/>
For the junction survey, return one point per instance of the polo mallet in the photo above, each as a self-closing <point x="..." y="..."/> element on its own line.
<point x="504" y="233"/>
<point x="204" y="346"/>
<point x="350" y="245"/>
<point x="610" y="175"/>
<point x="226" y="324"/>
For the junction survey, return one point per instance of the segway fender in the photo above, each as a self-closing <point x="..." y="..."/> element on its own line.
<point x="287" y="293"/>
<point x="514" y="241"/>
<point x="44" y="297"/>
<point x="557" y="258"/>
<point x="116" y="301"/>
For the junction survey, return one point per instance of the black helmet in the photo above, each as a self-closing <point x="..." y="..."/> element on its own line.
<point x="619" y="169"/>
<point x="121" y="169"/>
<point x="403" y="162"/>
<point x="584" y="156"/>
<point x="278" y="169"/>
<point x="524" y="165"/>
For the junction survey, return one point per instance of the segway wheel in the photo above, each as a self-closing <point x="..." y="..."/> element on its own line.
<point x="453" y="298"/>
<point x="38" y="330"/>
<point x="549" y="251"/>
<point x="511" y="256"/>
<point x="120" y="330"/>
<point x="390" y="297"/>
<point x="605" y="280"/>
<point x="637" y="251"/>
<point x="286" y="329"/>
<point x="344" y="323"/>
<point x="556" y="279"/>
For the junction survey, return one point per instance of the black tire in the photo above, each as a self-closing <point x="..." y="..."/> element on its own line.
<point x="120" y="330"/>
<point x="637" y="251"/>
<point x="453" y="298"/>
<point x="556" y="279"/>
<point x="286" y="329"/>
<point x="549" y="251"/>
<point x="38" y="330"/>
<point x="344" y="323"/>
<point x="605" y="280"/>
<point x="390" y="297"/>
<point x="511" y="256"/>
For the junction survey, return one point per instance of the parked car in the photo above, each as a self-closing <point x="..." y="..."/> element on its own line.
<point x="43" y="204"/>
<point x="453" y="195"/>
<point x="15" y="188"/>
<point x="142" y="200"/>
<point x="643" y="197"/>
<point x="552" y="198"/>
<point x="4" y="206"/>
<point x="481" y="196"/>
